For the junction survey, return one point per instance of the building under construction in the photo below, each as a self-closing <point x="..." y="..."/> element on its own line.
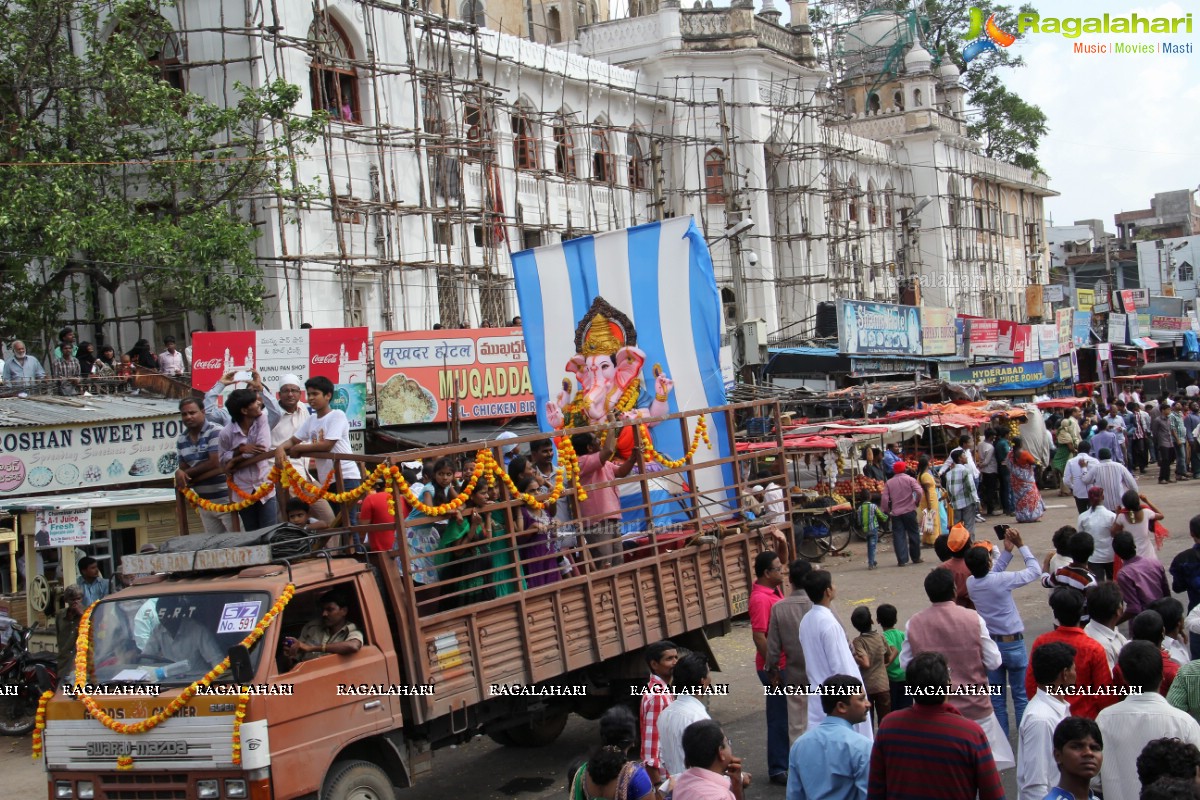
<point x="450" y="146"/>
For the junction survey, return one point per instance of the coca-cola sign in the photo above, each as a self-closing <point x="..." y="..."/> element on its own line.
<point x="339" y="354"/>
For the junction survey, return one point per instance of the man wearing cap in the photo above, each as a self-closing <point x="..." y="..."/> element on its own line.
<point x="1077" y="470"/>
<point x="900" y="497"/>
<point x="958" y="541"/>
<point x="507" y="451"/>
<point x="1098" y="521"/>
<point x="991" y="587"/>
<point x="294" y="411"/>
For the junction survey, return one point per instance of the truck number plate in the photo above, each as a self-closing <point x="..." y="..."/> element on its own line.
<point x="151" y="748"/>
<point x="739" y="602"/>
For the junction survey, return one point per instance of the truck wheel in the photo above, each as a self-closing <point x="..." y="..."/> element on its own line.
<point x="532" y="734"/>
<point x="357" y="780"/>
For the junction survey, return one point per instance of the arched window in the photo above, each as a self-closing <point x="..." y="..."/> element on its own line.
<point x="889" y="214"/>
<point x="525" y="142"/>
<point x="637" y="163"/>
<point x="603" y="160"/>
<point x="475" y="128"/>
<point x="334" y="78"/>
<point x="595" y="12"/>
<point x="873" y="103"/>
<point x="553" y="26"/>
<point x="853" y="193"/>
<point x="431" y="110"/>
<point x="898" y="100"/>
<point x="872" y="207"/>
<point x="917" y="103"/>
<point x="153" y="36"/>
<point x="1186" y="273"/>
<point x="835" y="200"/>
<point x="852" y="106"/>
<point x="714" y="176"/>
<point x="472" y="11"/>
<point x="564" y="149"/>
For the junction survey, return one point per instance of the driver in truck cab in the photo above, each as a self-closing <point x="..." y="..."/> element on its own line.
<point x="180" y="638"/>
<point x="331" y="633"/>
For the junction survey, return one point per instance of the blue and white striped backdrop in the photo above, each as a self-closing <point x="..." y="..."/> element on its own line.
<point x="660" y="275"/>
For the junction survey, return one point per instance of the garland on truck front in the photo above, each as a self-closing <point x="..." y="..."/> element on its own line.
<point x="82" y="650"/>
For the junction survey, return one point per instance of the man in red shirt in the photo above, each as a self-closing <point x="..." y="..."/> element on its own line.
<point x="661" y="658"/>
<point x="766" y="592"/>
<point x="1091" y="664"/>
<point x="374" y="511"/>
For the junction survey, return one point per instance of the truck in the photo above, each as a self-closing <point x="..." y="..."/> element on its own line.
<point x="140" y="722"/>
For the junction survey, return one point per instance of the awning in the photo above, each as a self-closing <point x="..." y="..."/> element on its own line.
<point x="1145" y="343"/>
<point x="81" y="500"/>
<point x="422" y="436"/>
<point x="790" y="443"/>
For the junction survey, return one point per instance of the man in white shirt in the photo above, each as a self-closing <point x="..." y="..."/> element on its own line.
<point x="170" y="361"/>
<point x="325" y="431"/>
<point x="294" y="413"/>
<point x="1105" y="606"/>
<point x="1139" y="719"/>
<point x="1076" y="471"/>
<point x="826" y="649"/>
<point x="967" y="445"/>
<point x="1097" y="521"/>
<point x="689" y="681"/>
<point x="1053" y="666"/>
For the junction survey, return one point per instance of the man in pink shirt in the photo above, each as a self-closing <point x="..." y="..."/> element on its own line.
<point x="900" y="497"/>
<point x="713" y="771"/>
<point x="768" y="571"/>
<point x="601" y="512"/>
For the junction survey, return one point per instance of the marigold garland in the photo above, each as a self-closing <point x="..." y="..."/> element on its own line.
<point x="124" y="763"/>
<point x="701" y="433"/>
<point x="238" y="716"/>
<point x="83" y="643"/>
<point x="248" y="499"/>
<point x="39" y="723"/>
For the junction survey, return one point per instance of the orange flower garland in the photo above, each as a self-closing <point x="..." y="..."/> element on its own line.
<point x="294" y="488"/>
<point x="294" y="480"/>
<point x="249" y="499"/>
<point x="124" y="763"/>
<point x="83" y="643"/>
<point x="395" y="478"/>
<point x="701" y="433"/>
<point x="39" y="724"/>
<point x="239" y="715"/>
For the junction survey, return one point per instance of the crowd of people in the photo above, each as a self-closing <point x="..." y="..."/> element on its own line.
<point x="73" y="367"/>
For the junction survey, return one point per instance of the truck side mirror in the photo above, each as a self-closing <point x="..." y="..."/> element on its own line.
<point x="239" y="664"/>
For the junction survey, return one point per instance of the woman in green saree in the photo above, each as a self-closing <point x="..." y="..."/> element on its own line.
<point x="485" y="569"/>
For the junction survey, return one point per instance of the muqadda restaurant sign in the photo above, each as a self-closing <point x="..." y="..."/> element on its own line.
<point x="47" y="459"/>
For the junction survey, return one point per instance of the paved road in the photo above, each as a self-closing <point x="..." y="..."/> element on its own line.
<point x="483" y="769"/>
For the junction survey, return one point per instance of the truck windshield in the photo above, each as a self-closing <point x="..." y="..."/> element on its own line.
<point x="171" y="638"/>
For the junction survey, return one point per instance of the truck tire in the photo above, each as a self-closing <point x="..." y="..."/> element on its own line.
<point x="536" y="733"/>
<point x="357" y="780"/>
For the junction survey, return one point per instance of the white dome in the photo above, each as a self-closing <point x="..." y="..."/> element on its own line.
<point x="948" y="72"/>
<point x="877" y="29"/>
<point x="917" y="59"/>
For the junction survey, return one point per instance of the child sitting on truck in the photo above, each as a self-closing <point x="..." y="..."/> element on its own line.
<point x="480" y="565"/>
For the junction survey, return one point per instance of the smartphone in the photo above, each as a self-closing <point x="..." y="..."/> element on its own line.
<point x="1000" y="530"/>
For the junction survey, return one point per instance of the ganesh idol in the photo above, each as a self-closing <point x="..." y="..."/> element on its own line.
<point x="608" y="368"/>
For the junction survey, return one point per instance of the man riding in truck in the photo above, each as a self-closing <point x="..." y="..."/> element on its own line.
<point x="332" y="633"/>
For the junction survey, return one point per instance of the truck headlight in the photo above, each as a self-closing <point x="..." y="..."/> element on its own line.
<point x="85" y="790"/>
<point x="63" y="790"/>
<point x="235" y="788"/>
<point x="207" y="790"/>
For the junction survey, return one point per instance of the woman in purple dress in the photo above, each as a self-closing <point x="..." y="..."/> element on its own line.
<point x="539" y="562"/>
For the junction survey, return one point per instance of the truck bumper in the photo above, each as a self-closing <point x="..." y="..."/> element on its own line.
<point x="175" y="785"/>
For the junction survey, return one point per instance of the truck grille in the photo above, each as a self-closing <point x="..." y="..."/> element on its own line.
<point x="143" y="787"/>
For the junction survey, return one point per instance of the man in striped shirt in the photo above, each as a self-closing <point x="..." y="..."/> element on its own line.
<point x="1112" y="477"/>
<point x="931" y="738"/>
<point x="661" y="658"/>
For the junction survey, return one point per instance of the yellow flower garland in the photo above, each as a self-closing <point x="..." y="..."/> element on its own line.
<point x="190" y="495"/>
<point x="39" y="723"/>
<point x="238" y="716"/>
<point x="83" y="643"/>
<point x="701" y="433"/>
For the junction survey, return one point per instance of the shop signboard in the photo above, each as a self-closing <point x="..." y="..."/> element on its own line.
<point x="1031" y="375"/>
<point x="1013" y="341"/>
<point x="1048" y="340"/>
<point x="1062" y="320"/>
<point x="419" y="373"/>
<point x="88" y="456"/>
<point x="937" y="331"/>
<point x="1117" y="325"/>
<point x="878" y="329"/>
<point x="1133" y="299"/>
<point x="1085" y="299"/>
<point x="339" y="354"/>
<point x="1054" y="293"/>
<point x="982" y="337"/>
<point x="1081" y="328"/>
<point x="62" y="528"/>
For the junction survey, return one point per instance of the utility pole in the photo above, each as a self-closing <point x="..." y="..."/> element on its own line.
<point x="732" y="194"/>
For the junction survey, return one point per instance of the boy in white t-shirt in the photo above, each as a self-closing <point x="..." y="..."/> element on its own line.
<point x="327" y="430"/>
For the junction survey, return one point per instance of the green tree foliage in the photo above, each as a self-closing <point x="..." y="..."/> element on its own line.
<point x="114" y="176"/>
<point x="1008" y="127"/>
